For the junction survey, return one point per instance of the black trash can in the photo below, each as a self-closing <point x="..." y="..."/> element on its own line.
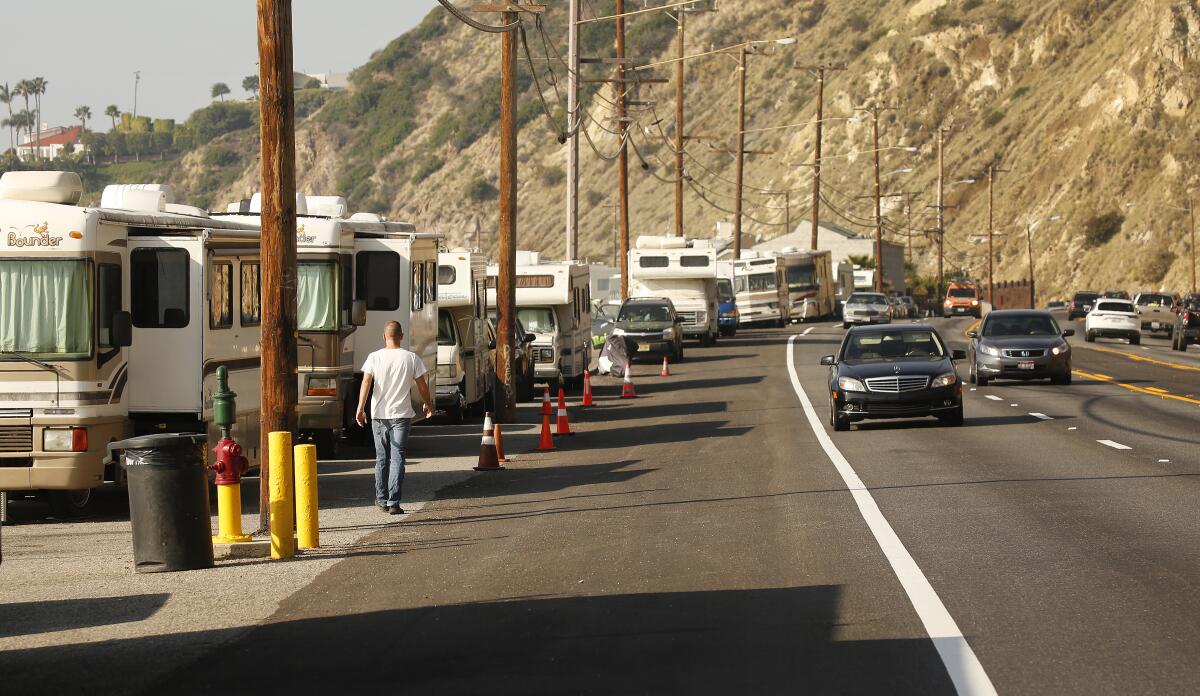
<point x="168" y="501"/>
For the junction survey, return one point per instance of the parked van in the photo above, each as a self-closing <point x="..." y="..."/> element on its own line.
<point x="464" y="343"/>
<point x="125" y="314"/>
<point x="727" y="311"/>
<point x="810" y="283"/>
<point x="683" y="270"/>
<point x="761" y="290"/>
<point x="554" y="303"/>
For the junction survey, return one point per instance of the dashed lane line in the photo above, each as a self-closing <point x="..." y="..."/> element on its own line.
<point x="993" y="397"/>
<point x="1134" y="388"/>
<point x="1040" y="416"/>
<point x="1114" y="445"/>
<point x="963" y="666"/>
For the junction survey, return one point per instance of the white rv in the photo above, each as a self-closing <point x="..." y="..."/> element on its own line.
<point x="326" y="313"/>
<point x="685" y="271"/>
<point x="124" y="313"/>
<point x="465" y="368"/>
<point x="761" y="290"/>
<point x="554" y="304"/>
<point x="395" y="273"/>
<point x="810" y="283"/>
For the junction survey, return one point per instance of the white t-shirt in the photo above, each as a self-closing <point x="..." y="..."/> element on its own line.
<point x="394" y="371"/>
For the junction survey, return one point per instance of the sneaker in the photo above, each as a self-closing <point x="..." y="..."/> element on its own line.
<point x="395" y="510"/>
<point x="381" y="506"/>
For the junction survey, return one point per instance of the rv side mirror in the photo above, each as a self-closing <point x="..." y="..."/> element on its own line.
<point x="492" y="344"/>
<point x="358" y="313"/>
<point x="528" y="338"/>
<point x="122" y="330"/>
<point x="827" y="360"/>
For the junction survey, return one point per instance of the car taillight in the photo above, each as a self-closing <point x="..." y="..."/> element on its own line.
<point x="1187" y="317"/>
<point x="79" y="441"/>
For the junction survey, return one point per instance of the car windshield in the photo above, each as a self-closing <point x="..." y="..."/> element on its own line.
<point x="1085" y="296"/>
<point x="445" y="328"/>
<point x="641" y="312"/>
<point x="961" y="292"/>
<point x="801" y="277"/>
<point x="537" y="319"/>
<point x="1154" y="300"/>
<point x="1020" y="325"/>
<point x="866" y="298"/>
<point x="724" y="290"/>
<point x="48" y="308"/>
<point x="1114" y="307"/>
<point x="889" y="346"/>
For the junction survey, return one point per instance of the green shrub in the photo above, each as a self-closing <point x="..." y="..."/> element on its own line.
<point x="220" y="118"/>
<point x="551" y="176"/>
<point x="427" y="166"/>
<point x="809" y="13"/>
<point x="593" y="198"/>
<point x="1101" y="228"/>
<point x="1020" y="92"/>
<point x="1009" y="23"/>
<point x="993" y="117"/>
<point x="480" y="189"/>
<point x="1157" y="265"/>
<point x="309" y="100"/>
<point x="857" y="22"/>
<point x="220" y="157"/>
<point x="968" y="5"/>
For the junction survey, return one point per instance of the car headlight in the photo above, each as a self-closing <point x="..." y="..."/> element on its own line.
<point x="945" y="380"/>
<point x="64" y="440"/>
<point x="668" y="333"/>
<point x="322" y="386"/>
<point x="989" y="350"/>
<point x="1060" y="349"/>
<point x="447" y="371"/>
<point x="850" y="384"/>
<point x="948" y="302"/>
<point x="618" y="331"/>
<point x="974" y="303"/>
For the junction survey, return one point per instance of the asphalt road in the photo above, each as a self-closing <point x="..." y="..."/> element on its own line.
<point x="700" y="539"/>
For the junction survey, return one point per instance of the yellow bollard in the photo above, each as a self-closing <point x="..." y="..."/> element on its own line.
<point x="229" y="514"/>
<point x="308" y="533"/>
<point x="283" y="509"/>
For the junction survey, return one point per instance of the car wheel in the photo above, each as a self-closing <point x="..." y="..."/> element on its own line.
<point x="1064" y="378"/>
<point x="981" y="380"/>
<point x="971" y="375"/>
<point x="1089" y="337"/>
<point x="845" y="324"/>
<point x="954" y="418"/>
<point x="837" y="421"/>
<point x="1135" y="340"/>
<point x="72" y="504"/>
<point x="326" y="444"/>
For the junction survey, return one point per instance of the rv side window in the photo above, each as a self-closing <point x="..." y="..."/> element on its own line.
<point x="431" y="282"/>
<point x="108" y="300"/>
<point x="447" y="275"/>
<point x="377" y="280"/>
<point x="693" y="261"/>
<point x="480" y="298"/>
<point x="418" y="270"/>
<point x="345" y="299"/>
<point x="251" y="293"/>
<point x="653" y="262"/>
<point x="158" y="282"/>
<point x="315" y="301"/>
<point x="220" y="296"/>
<point x="739" y="284"/>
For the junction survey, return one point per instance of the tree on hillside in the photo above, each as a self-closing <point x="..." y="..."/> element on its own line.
<point x="6" y="97"/>
<point x="83" y="113"/>
<point x="250" y="84"/>
<point x="219" y="90"/>
<point x="114" y="113"/>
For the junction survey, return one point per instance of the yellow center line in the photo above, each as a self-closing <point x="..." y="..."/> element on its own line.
<point x="1145" y="359"/>
<point x="1141" y="390"/>
<point x="1160" y="390"/>
<point x="974" y="325"/>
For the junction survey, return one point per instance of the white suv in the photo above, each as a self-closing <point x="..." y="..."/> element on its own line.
<point x="1113" y="318"/>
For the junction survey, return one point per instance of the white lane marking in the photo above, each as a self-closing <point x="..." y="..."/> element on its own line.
<point x="835" y="325"/>
<point x="1040" y="416"/>
<point x="1114" y="445"/>
<point x="974" y="389"/>
<point x="807" y="331"/>
<point x="1164" y="461"/>
<point x="961" y="663"/>
<point x="993" y="397"/>
<point x="1014" y="404"/>
<point x="1072" y="428"/>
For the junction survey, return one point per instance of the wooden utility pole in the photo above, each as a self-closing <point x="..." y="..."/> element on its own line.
<point x="1029" y="250"/>
<point x="991" y="230"/>
<point x="878" y="216"/>
<point x="820" y="123"/>
<point x="1192" y="245"/>
<point x="278" y="171"/>
<point x="941" y="216"/>
<point x="679" y="123"/>
<point x="623" y="153"/>
<point x="573" y="124"/>
<point x="506" y="291"/>
<point x="740" y="153"/>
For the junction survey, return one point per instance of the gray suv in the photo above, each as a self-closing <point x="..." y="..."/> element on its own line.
<point x="652" y="324"/>
<point x="866" y="308"/>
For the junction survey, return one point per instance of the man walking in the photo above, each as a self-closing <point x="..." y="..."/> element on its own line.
<point x="392" y="371"/>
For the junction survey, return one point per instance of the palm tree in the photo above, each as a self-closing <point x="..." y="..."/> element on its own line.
<point x="250" y="84"/>
<point x="17" y="121"/>
<point x="220" y="90"/>
<point x="38" y="85"/>
<point x="113" y="112"/>
<point x="6" y="97"/>
<point x="83" y="113"/>
<point x="25" y="90"/>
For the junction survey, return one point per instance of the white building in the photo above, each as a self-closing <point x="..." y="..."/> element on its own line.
<point x="49" y="143"/>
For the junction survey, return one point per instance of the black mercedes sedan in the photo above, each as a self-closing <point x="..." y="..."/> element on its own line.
<point x="894" y="371"/>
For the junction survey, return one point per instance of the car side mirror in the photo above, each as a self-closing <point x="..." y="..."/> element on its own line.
<point x="122" y="329"/>
<point x="972" y="334"/>
<point x="828" y="360"/>
<point x="958" y="355"/>
<point x="528" y="338"/>
<point x="358" y="313"/>
<point x="492" y="344"/>
<point x="1068" y="332"/>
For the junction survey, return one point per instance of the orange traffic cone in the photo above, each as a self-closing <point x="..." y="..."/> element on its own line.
<point x="546" y="409"/>
<point x="499" y="446"/>
<point x="547" y="442"/>
<point x="564" y="424"/>
<point x="487" y="448"/>
<point x="627" y="387"/>
<point x="666" y="371"/>
<point x="587" y="389"/>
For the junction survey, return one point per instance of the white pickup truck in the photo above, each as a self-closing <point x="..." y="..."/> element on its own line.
<point x="1156" y="312"/>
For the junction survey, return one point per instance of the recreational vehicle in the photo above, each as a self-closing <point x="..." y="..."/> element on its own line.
<point x="809" y="278"/>
<point x="395" y="273"/>
<point x="684" y="271"/>
<point x="326" y="313"/>
<point x="465" y="367"/>
<point x="761" y="290"/>
<point x="115" y="321"/>
<point x="554" y="304"/>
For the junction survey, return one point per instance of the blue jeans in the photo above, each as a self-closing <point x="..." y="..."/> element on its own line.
<point x="391" y="440"/>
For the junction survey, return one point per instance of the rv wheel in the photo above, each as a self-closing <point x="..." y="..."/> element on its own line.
<point x="72" y="504"/>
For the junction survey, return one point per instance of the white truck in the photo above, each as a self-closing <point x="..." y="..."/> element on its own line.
<point x="554" y="303"/>
<point x="465" y="367"/>
<point x="683" y="270"/>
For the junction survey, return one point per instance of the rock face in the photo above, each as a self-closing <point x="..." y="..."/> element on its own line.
<point x="1085" y="107"/>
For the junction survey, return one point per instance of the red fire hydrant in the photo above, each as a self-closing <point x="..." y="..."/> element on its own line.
<point x="230" y="464"/>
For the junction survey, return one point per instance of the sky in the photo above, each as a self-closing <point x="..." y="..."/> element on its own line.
<point x="88" y="50"/>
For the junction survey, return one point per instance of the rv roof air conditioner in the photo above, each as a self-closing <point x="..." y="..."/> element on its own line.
<point x="41" y="187"/>
<point x="663" y="242"/>
<point x="367" y="217"/>
<point x="256" y="204"/>
<point x="327" y="206"/>
<point x="138" y="197"/>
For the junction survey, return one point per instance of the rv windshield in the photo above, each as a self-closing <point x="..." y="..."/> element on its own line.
<point x="801" y="277"/>
<point x="316" y="309"/>
<point x="537" y="319"/>
<point x="45" y="308"/>
<point x="724" y="290"/>
<point x="445" y="328"/>
<point x="762" y="281"/>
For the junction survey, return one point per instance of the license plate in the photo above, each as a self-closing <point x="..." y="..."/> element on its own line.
<point x="1155" y="325"/>
<point x="644" y="347"/>
<point x="1025" y="365"/>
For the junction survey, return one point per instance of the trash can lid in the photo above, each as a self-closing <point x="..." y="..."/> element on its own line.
<point x="160" y="440"/>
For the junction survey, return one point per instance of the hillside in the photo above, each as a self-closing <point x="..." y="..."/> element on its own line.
<point x="1085" y="105"/>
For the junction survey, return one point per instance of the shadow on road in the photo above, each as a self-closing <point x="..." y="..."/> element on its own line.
<point x="28" y="618"/>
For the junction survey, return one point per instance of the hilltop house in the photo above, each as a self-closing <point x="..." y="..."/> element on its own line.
<point x="49" y="143"/>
